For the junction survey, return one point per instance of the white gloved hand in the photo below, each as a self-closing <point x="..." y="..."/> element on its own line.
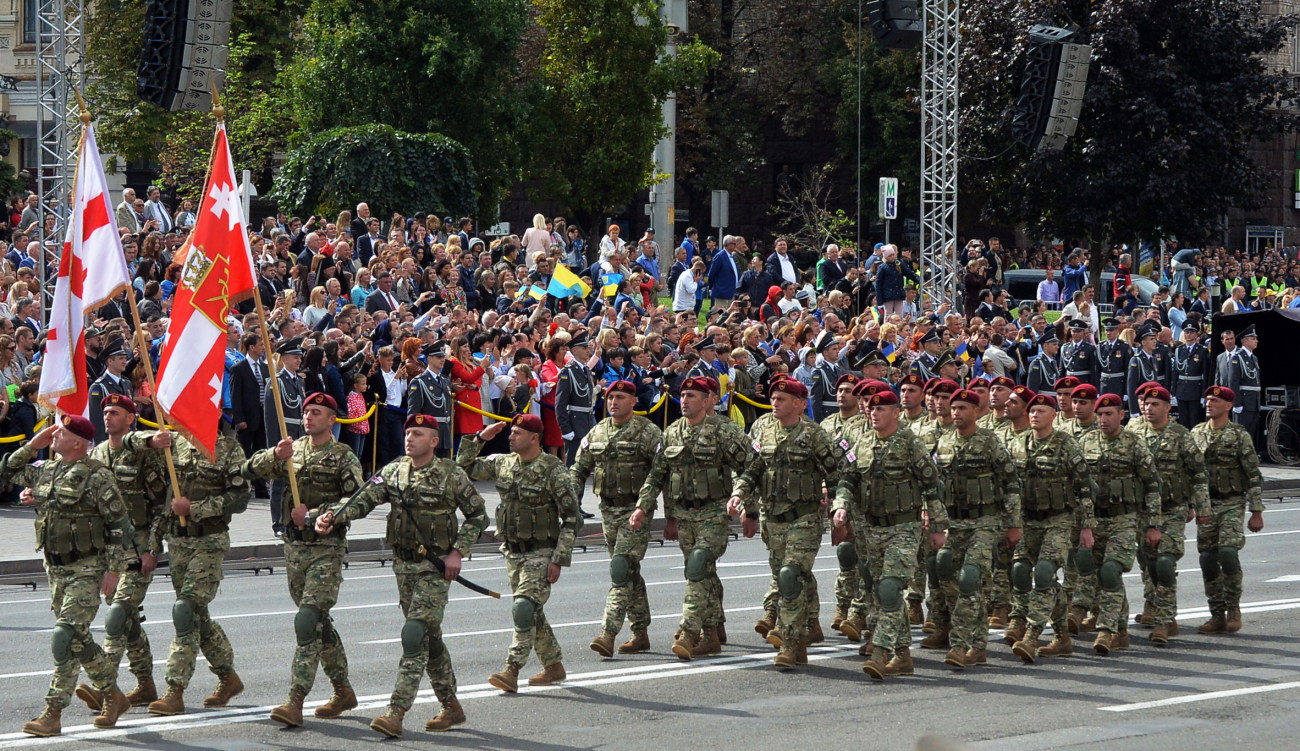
<point x="1173" y="401"/>
<point x="568" y="436"/>
<point x="1202" y="402"/>
<point x="1237" y="410"/>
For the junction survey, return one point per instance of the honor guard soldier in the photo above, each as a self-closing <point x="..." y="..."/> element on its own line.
<point x="872" y="365"/>
<point x="707" y="349"/>
<point x="1193" y="371"/>
<point x="1079" y="356"/>
<point x="538" y="520"/>
<point x="212" y="492"/>
<point x="424" y="494"/>
<point x="1044" y="369"/>
<point x="785" y="480"/>
<point x="85" y="529"/>
<point x="292" y="392"/>
<point x="1181" y="465"/>
<point x="1115" y="354"/>
<point x="1143" y="366"/>
<point x="948" y="366"/>
<point x="825" y="376"/>
<point x="925" y="365"/>
<point x="575" y="398"/>
<point x="618" y="452"/>
<point x="429" y="393"/>
<point x="1128" y="489"/>
<point x="326" y="471"/>
<point x="1235" y="486"/>
<point x="115" y="357"/>
<point x="701" y="451"/>
<point x="1243" y="379"/>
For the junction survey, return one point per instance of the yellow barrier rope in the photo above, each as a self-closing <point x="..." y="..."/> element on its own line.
<point x="498" y="418"/>
<point x="747" y="400"/>
<point x="155" y="425"/>
<point x="363" y="418"/>
<point x="655" y="408"/>
<point x="23" y="437"/>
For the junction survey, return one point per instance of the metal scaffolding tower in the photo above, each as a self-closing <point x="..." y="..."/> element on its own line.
<point x="939" y="150"/>
<point x="60" y="56"/>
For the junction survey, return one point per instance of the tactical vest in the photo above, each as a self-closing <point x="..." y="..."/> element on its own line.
<point x="1118" y="488"/>
<point x="971" y="489"/>
<point x="69" y="525"/>
<point x="697" y="473"/>
<point x="527" y="513"/>
<point x="1176" y="485"/>
<point x="313" y="478"/>
<point x="1045" y="491"/>
<point x="789" y="473"/>
<point x="1224" y="468"/>
<point x="619" y="468"/>
<point x="889" y="489"/>
<point x="424" y="518"/>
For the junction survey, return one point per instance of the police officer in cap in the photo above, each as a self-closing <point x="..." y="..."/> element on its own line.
<point x="115" y="356"/>
<point x="1044" y="369"/>
<point x="292" y="393"/>
<point x="575" y="398"/>
<point x="1115" y="354"/>
<point x="1079" y="356"/>
<point x="825" y="376"/>
<point x="1193" y="371"/>
<point x="926" y="365"/>
<point x="429" y="393"/>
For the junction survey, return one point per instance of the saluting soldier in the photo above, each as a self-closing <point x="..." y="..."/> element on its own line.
<point x="1079" y="357"/>
<point x="1044" y="369"/>
<point x="785" y="480"/>
<point x="429" y="393"/>
<point x="701" y="451"/>
<point x="538" y="520"/>
<point x="1193" y="371"/>
<point x="293" y="390"/>
<point x="825" y="376"/>
<point x="1235" y="485"/>
<point x="326" y="471"/>
<point x="1243" y="379"/>
<point x="1143" y="367"/>
<point x="84" y="527"/>
<point x="926" y="364"/>
<point x="1115" y="354"/>
<point x="115" y="355"/>
<point x="618" y="452"/>
<point x="575" y="398"/>
<point x="424" y="493"/>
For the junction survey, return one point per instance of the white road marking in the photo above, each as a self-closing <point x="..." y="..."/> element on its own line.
<point x="1284" y="579"/>
<point x="1206" y="696"/>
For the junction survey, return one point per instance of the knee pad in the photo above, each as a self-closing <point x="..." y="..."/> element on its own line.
<point x="184" y="616"/>
<point x="1210" y="564"/>
<point x="61" y="641"/>
<point x="699" y="565"/>
<point x="789" y="580"/>
<point x="847" y="553"/>
<point x="305" y="623"/>
<point x="436" y="647"/>
<point x="1022" y="576"/>
<point x="328" y="635"/>
<point x="134" y="631"/>
<point x="890" y="593"/>
<point x="415" y="636"/>
<point x="116" y="621"/>
<point x="1229" y="560"/>
<point x="1111" y="576"/>
<point x="1143" y="562"/>
<point x="945" y="565"/>
<point x="524" y="611"/>
<point x="932" y="571"/>
<point x="1044" y="575"/>
<point x="1166" y="570"/>
<point x="968" y="579"/>
<point x="620" y="570"/>
<point x="1084" y="563"/>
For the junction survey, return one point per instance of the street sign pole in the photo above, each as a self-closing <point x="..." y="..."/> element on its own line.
<point x="888" y="202"/>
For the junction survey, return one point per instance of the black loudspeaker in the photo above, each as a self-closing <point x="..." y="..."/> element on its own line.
<point x="1051" y="92"/>
<point x="186" y="43"/>
<point x="896" y="23"/>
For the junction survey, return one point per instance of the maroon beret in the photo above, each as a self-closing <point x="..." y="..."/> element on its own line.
<point x="945" y="386"/>
<point x="621" y="387"/>
<point x="1084" y="391"/>
<point x="851" y="378"/>
<point x="1065" y="382"/>
<point x="324" y="400"/>
<point x="702" y="383"/>
<point x="1145" y="387"/>
<point x="531" y="423"/>
<point x="883" y="399"/>
<point x="1004" y="382"/>
<point x="1220" y="392"/>
<point x="1023" y="393"/>
<point x="979" y="383"/>
<point x="871" y="387"/>
<point x="1159" y="392"/>
<point x="966" y="395"/>
<point x="789" y="386"/>
<point x="1044" y="400"/>
<point x="1110" y="400"/>
<point x="118" y="400"/>
<point x="78" y="425"/>
<point x="912" y="379"/>
<point x="418" y="421"/>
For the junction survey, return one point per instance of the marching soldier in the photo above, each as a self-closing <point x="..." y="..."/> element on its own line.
<point x="1182" y="488"/>
<point x="538" y="520"/>
<point x="1064" y="386"/>
<point x="212" y="492"/>
<point x="1128" y="486"/>
<point x="1079" y="356"/>
<point x="983" y="497"/>
<point x="292" y="392"/>
<point x="839" y="427"/>
<point x="1080" y="588"/>
<point x="925" y="366"/>
<point x="694" y="471"/>
<point x="1001" y="600"/>
<point x="1044" y="369"/>
<point x="1000" y="389"/>
<point x="1193" y="371"/>
<point x="825" y="377"/>
<point x="1235" y="485"/>
<point x="785" y="479"/>
<point x="618" y="451"/>
<point x="888" y="483"/>
<point x="1143" y="367"/>
<point x="115" y="357"/>
<point x="1243" y="379"/>
<point x="429" y="393"/>
<point x="424" y="493"/>
<point x="85" y="529"/>
<point x="911" y="401"/>
<point x="1115" y="354"/>
<point x="575" y="398"/>
<point x="326" y="471"/>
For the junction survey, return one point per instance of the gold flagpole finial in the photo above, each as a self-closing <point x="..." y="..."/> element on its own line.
<point x="218" y="111"/>
<point x="85" y="111"/>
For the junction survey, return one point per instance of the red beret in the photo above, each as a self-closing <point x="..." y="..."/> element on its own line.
<point x="1004" y="382"/>
<point x="1220" y="392"/>
<point x="1145" y="387"/>
<point x="324" y="400"/>
<point x="912" y="379"/>
<point x="944" y="386"/>
<point x="1109" y="400"/>
<point x="966" y="395"/>
<point x="118" y="400"/>
<point x="78" y="425"/>
<point x="1084" y="391"/>
<point x="883" y="399"/>
<point x="979" y="383"/>
<point x="621" y="387"/>
<point x="1044" y="400"/>
<point x="702" y="383"/>
<point x="1065" y="382"/>
<point x="930" y="384"/>
<point x="871" y="387"/>
<point x="851" y="378"/>
<point x="789" y="386"/>
<point x="1023" y="393"/>
<point x="531" y="423"/>
<point x="1158" y="392"/>
<point x="418" y="421"/>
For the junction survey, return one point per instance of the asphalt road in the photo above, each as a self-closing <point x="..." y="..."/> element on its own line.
<point x="1202" y="692"/>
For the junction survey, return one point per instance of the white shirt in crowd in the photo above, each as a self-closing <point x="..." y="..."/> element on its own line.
<point x="684" y="292"/>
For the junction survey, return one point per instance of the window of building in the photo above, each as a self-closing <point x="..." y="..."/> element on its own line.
<point x="29" y="21"/>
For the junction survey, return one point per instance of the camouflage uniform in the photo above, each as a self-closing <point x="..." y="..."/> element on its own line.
<point x="217" y="491"/>
<point x="694" y="472"/>
<point x="1235" y="486"/>
<point x="983" y="499"/>
<point x="313" y="563"/>
<point x="886" y="484"/>
<point x="84" y="527"/>
<point x="998" y="593"/>
<point x="1127" y="485"/>
<point x="784" y="480"/>
<point x="1181" y="465"/>
<point x="424" y="501"/>
<point x="1080" y="589"/>
<point x="924" y="575"/>
<point x="848" y="585"/>
<point x="142" y="481"/>
<point x="620" y="457"/>
<point x="538" y="520"/>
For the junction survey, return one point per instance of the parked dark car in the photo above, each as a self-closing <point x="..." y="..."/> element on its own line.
<point x="1022" y="284"/>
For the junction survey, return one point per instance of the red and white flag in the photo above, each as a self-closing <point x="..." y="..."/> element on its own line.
<point x="216" y="273"/>
<point x="92" y="269"/>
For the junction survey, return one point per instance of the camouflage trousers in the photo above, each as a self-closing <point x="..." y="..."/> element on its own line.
<point x="795" y="544"/>
<point x="74" y="599"/>
<point x="1115" y="539"/>
<point x="627" y="601"/>
<point x="890" y="553"/>
<point x="528" y="580"/>
<point x="196" y="577"/>
<point x="1225" y="530"/>
<point x="916" y="583"/>
<point x="134" y="642"/>
<point x="422" y="594"/>
<point x="705" y="528"/>
<point x="971" y="545"/>
<point x="848" y="584"/>
<point x="315" y="572"/>
<point x="1048" y="540"/>
<point x="1162" y="598"/>
<point x="997" y="588"/>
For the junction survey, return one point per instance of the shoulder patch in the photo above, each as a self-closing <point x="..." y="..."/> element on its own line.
<point x="851" y="456"/>
<point x="757" y="446"/>
<point x="844" y="444"/>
